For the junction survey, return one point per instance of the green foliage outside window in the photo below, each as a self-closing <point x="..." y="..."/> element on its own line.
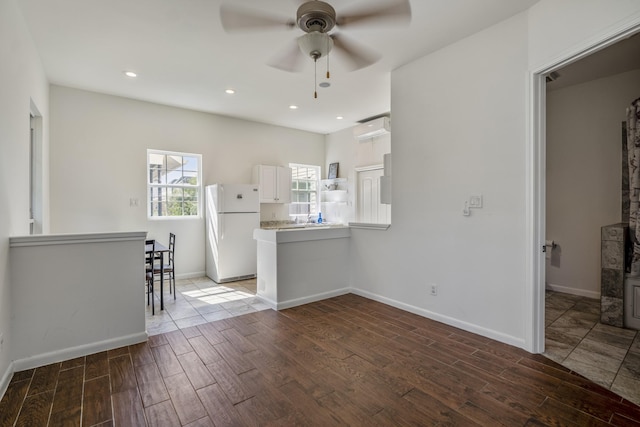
<point x="174" y="186"/>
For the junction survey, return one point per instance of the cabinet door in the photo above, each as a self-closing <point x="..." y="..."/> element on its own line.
<point x="275" y="183"/>
<point x="283" y="193"/>
<point x="268" y="189"/>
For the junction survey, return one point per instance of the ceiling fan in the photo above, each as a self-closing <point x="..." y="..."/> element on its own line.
<point x="317" y="19"/>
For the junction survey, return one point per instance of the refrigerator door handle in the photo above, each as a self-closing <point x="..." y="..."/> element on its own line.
<point x="221" y="218"/>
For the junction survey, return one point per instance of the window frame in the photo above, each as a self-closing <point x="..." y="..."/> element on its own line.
<point x="150" y="186"/>
<point x="318" y="170"/>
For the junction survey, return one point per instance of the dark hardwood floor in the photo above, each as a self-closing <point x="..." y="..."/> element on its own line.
<point x="343" y="361"/>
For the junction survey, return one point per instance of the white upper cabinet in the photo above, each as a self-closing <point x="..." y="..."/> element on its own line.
<point x="274" y="182"/>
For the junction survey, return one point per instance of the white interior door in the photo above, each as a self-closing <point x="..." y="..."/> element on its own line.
<point x="368" y="206"/>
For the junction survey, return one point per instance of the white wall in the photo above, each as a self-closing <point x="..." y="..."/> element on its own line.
<point x="461" y="126"/>
<point x="351" y="153"/>
<point x="458" y="129"/>
<point x="22" y="81"/>
<point x="344" y="148"/>
<point x="85" y="295"/>
<point x="584" y="152"/>
<point x="98" y="161"/>
<point x="558" y="29"/>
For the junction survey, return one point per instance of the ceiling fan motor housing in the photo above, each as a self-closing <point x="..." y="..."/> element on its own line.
<point x="316" y="16"/>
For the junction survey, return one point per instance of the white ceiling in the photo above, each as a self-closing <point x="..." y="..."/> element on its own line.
<point x="184" y="58"/>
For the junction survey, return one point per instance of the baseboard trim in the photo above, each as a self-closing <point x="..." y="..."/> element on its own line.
<point x="6" y="379"/>
<point x="312" y="298"/>
<point x="573" y="291"/>
<point x="196" y="275"/>
<point x="79" y="351"/>
<point x="272" y="304"/>
<point x="469" y="327"/>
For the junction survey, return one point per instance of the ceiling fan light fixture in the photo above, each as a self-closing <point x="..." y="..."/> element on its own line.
<point x="315" y="44"/>
<point x="316" y="15"/>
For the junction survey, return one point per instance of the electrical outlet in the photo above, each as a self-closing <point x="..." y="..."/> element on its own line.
<point x="434" y="289"/>
<point x="475" y="201"/>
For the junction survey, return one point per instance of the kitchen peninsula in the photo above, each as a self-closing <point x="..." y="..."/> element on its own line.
<point x="299" y="265"/>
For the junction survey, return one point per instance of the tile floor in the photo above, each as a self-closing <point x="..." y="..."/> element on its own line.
<point x="342" y="361"/>
<point x="605" y="354"/>
<point x="202" y="300"/>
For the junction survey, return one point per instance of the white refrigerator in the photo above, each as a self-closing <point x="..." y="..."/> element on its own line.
<point x="232" y="213"/>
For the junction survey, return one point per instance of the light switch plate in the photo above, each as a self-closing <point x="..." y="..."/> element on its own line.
<point x="475" y="201"/>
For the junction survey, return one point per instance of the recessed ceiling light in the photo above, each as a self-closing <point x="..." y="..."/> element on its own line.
<point x="130" y="74"/>
<point x="293" y="107"/>
<point x="339" y="117"/>
<point x="230" y="91"/>
<point x="324" y="84"/>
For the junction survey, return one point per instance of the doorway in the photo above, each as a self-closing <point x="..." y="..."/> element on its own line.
<point x="536" y="182"/>
<point x="575" y="312"/>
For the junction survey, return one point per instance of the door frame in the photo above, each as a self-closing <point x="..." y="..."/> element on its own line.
<point x="36" y="172"/>
<point x="536" y="175"/>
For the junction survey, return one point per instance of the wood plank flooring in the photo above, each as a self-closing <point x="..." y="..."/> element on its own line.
<point x="343" y="361"/>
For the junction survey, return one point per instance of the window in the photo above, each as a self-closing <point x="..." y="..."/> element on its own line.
<point x="305" y="197"/>
<point x="173" y="184"/>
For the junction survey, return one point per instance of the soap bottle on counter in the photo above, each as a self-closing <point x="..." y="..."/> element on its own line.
<point x="319" y="217"/>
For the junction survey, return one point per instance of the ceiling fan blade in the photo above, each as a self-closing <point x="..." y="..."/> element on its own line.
<point x="235" y="18"/>
<point x="397" y="12"/>
<point x="357" y="54"/>
<point x="291" y="59"/>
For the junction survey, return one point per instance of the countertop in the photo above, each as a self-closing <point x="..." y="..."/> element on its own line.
<point x="290" y="225"/>
<point x="302" y="232"/>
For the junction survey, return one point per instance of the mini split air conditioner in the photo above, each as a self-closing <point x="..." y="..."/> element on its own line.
<point x="373" y="128"/>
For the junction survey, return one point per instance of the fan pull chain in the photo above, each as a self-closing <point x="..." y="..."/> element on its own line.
<point x="315" y="78"/>
<point x="328" y="50"/>
<point x="328" y="75"/>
